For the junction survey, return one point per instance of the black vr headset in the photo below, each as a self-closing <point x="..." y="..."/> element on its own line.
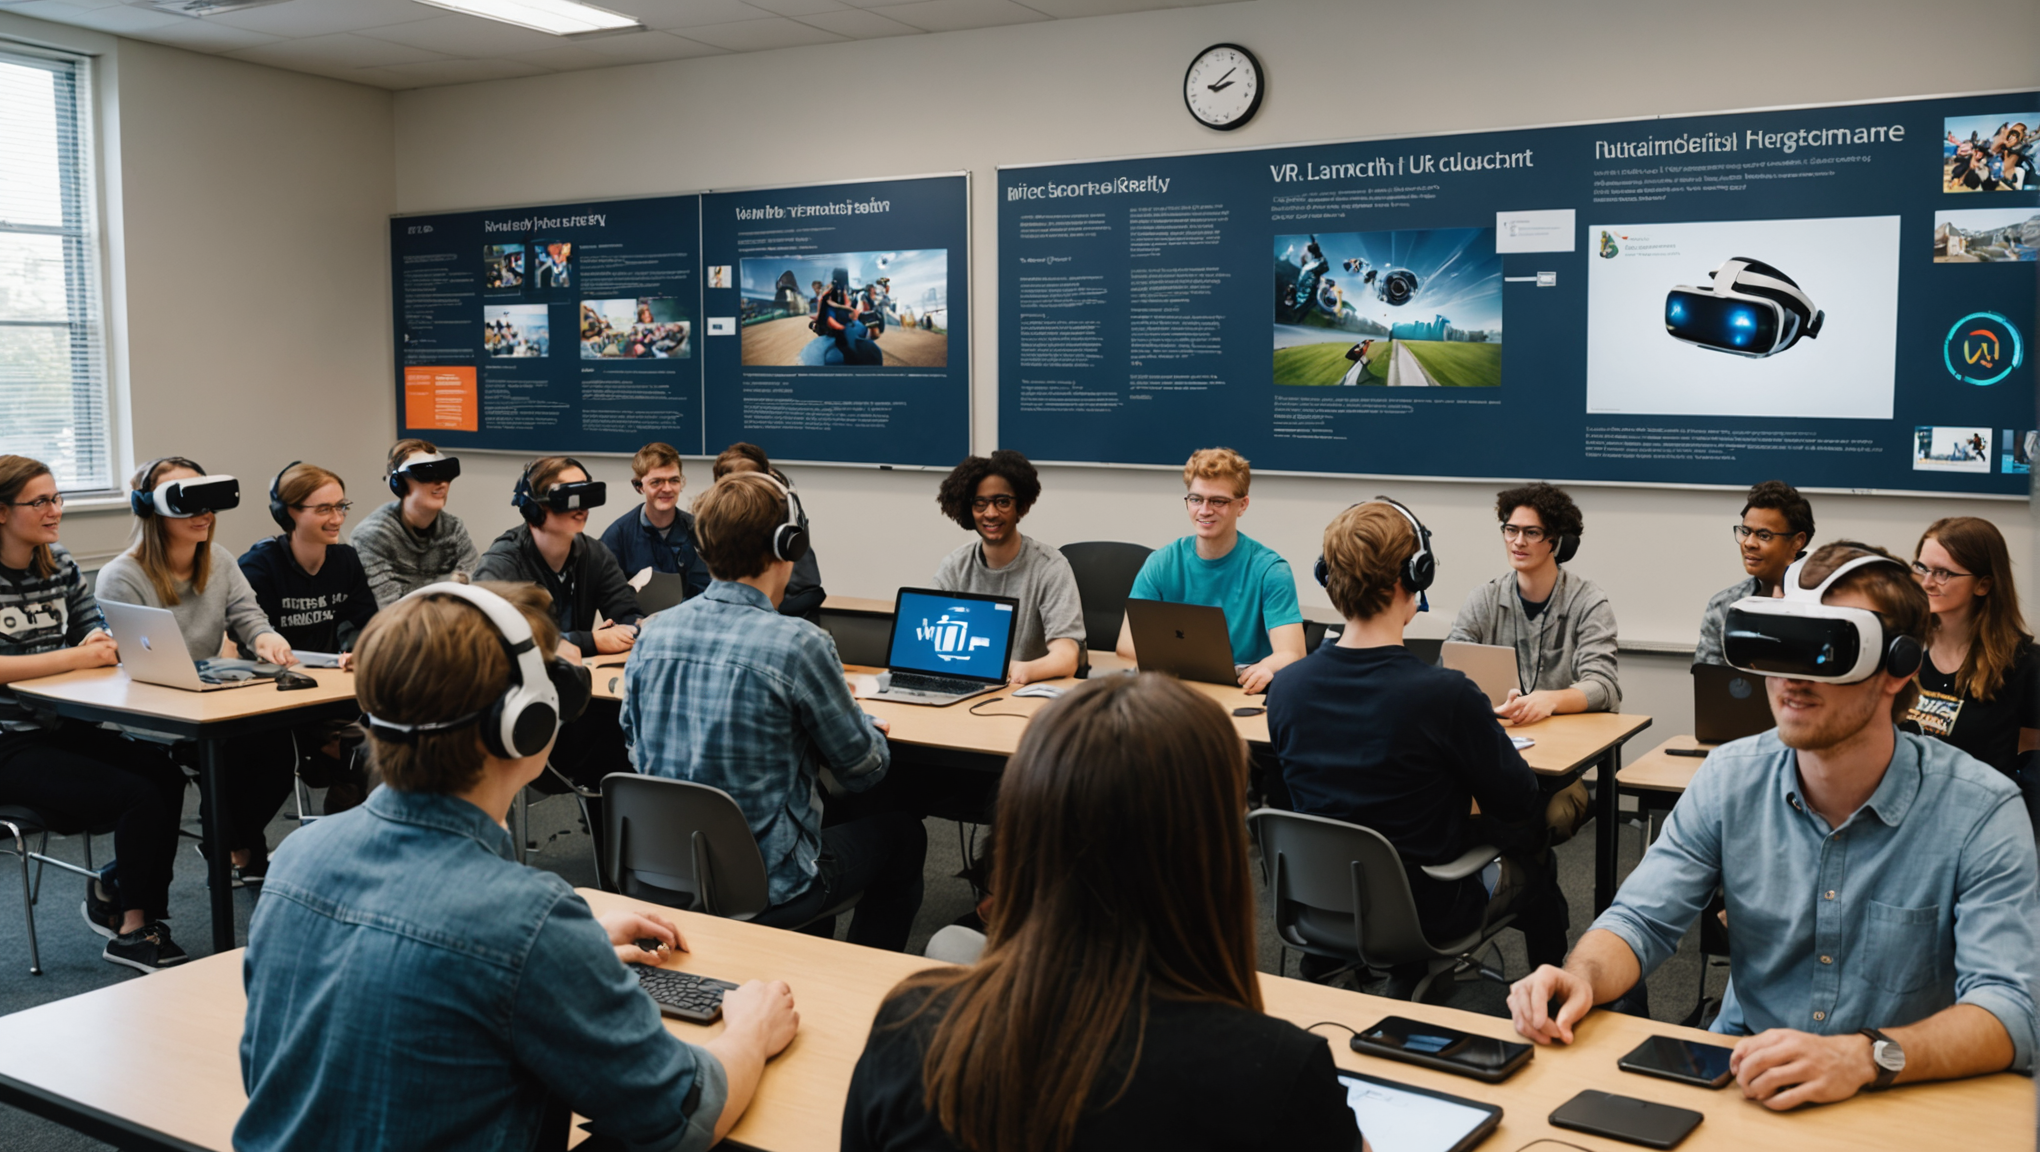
<point x="1751" y="309"/>
<point x="1801" y="638"/>
<point x="568" y="497"/>
<point x="425" y="468"/>
<point x="188" y="497"/>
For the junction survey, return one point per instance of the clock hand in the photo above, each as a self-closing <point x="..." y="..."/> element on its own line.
<point x="1228" y="72"/>
<point x="1221" y="87"/>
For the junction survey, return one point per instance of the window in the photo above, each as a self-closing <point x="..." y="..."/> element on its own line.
<point x="53" y="386"/>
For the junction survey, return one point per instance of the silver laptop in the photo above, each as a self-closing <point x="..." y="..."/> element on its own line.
<point x="152" y="652"/>
<point x="1492" y="667"/>
<point x="1188" y="641"/>
<point x="948" y="646"/>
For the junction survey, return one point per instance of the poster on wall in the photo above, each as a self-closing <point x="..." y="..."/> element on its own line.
<point x="559" y="328"/>
<point x="836" y="320"/>
<point x="1841" y="297"/>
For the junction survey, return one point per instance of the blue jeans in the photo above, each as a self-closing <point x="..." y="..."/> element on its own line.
<point x="880" y="856"/>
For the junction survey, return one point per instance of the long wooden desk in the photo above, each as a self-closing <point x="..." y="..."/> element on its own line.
<point x="174" y="1079"/>
<point x="99" y="695"/>
<point x="1658" y="770"/>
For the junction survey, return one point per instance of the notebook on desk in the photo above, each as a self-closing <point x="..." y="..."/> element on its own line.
<point x="1728" y="705"/>
<point x="948" y="646"/>
<point x="152" y="652"/>
<point x="1188" y="641"/>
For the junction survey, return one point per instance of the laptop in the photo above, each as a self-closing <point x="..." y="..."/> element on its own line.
<point x="948" y="646"/>
<point x="1492" y="667"/>
<point x="664" y="590"/>
<point x="152" y="652"/>
<point x="1728" y="705"/>
<point x="1188" y="641"/>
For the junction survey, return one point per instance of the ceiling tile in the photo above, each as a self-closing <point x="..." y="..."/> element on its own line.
<point x="668" y="14"/>
<point x="323" y="17"/>
<point x="207" y="36"/>
<point x="469" y="37"/>
<point x="761" y="35"/>
<point x="798" y="7"/>
<point x="112" y="18"/>
<point x="457" y="71"/>
<point x="642" y="47"/>
<point x="859" y="25"/>
<point x="1075" y="9"/>
<point x="338" y="51"/>
<point x="956" y="15"/>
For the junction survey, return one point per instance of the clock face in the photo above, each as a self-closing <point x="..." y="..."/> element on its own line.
<point x="1223" y="87"/>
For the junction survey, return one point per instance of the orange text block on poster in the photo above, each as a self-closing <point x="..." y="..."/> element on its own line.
<point x="440" y="398"/>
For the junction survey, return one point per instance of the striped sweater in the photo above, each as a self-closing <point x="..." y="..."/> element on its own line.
<point x="41" y="614"/>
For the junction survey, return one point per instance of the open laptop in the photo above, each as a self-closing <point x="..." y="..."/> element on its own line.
<point x="948" y="646"/>
<point x="1492" y="667"/>
<point x="1188" y="641"/>
<point x="1728" y="705"/>
<point x="152" y="652"/>
<point x="662" y="591"/>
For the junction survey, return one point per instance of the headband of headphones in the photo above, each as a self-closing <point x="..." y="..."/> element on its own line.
<point x="425" y="468"/>
<point x="1419" y="571"/>
<point x="1801" y="638"/>
<point x="543" y="694"/>
<point x="278" y="510"/>
<point x="185" y="498"/>
<point x="572" y="496"/>
<point x="789" y="540"/>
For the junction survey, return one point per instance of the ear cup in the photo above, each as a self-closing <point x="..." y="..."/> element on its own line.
<point x="1903" y="655"/>
<point x="532" y="728"/>
<point x="278" y="510"/>
<point x="790" y="542"/>
<point x="397" y="485"/>
<point x="1421" y="569"/>
<point x="1322" y="572"/>
<point x="1568" y="546"/>
<point x="574" y="685"/>
<point x="527" y="505"/>
<point x="143" y="504"/>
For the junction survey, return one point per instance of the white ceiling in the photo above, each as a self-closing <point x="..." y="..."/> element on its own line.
<point x="404" y="44"/>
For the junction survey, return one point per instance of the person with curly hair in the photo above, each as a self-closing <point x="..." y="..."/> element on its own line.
<point x="991" y="495"/>
<point x="1776" y="528"/>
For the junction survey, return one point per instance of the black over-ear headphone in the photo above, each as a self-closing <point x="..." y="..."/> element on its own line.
<point x="544" y="692"/>
<point x="142" y="501"/>
<point x="278" y="510"/>
<point x="1418" y="572"/>
<point x="1565" y="547"/>
<point x="789" y="540"/>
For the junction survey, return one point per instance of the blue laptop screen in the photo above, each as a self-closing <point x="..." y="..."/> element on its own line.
<point x="951" y="636"/>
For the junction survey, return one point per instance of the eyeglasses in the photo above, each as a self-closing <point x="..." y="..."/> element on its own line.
<point x="673" y="482"/>
<point x="343" y="508"/>
<point x="1002" y="502"/>
<point x="1215" y="503"/>
<point x="1764" y="535"/>
<point x="40" y="503"/>
<point x="1928" y="575"/>
<point x="1529" y="534"/>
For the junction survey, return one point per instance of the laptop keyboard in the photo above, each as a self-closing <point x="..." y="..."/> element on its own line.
<point x="683" y="994"/>
<point x="933" y="685"/>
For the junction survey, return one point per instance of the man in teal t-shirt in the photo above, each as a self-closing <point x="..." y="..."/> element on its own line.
<point x="1217" y="565"/>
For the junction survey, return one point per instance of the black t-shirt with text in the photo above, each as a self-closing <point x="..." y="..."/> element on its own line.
<point x="1986" y="729"/>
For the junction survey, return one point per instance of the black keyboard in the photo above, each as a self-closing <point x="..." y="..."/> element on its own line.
<point x="934" y="685"/>
<point x="683" y="994"/>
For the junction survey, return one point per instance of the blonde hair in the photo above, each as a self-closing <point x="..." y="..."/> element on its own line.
<point x="734" y="521"/>
<point x="1219" y="464"/>
<point x="15" y="473"/>
<point x="1365" y="547"/>
<point x="150" y="542"/>
<point x="657" y="454"/>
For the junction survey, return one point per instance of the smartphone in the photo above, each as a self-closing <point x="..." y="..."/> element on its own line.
<point x="1445" y="1049"/>
<point x="1626" y="1118"/>
<point x="1681" y="1060"/>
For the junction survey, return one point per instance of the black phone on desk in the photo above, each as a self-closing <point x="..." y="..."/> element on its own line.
<point x="1626" y="1118"/>
<point x="1681" y="1060"/>
<point x="1442" y="1048"/>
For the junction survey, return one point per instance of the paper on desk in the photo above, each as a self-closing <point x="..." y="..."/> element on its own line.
<point x="1521" y="742"/>
<point x="864" y="685"/>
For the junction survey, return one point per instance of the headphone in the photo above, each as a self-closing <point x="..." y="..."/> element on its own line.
<point x="142" y="501"/>
<point x="1418" y="572"/>
<point x="789" y="540"/>
<point x="544" y="693"/>
<point x="278" y="510"/>
<point x="1565" y="547"/>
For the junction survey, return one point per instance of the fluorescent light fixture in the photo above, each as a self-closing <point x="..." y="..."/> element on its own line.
<point x="201" y="8"/>
<point x="555" y="17"/>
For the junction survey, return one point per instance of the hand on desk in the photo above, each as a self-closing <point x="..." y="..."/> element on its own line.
<point x="97" y="650"/>
<point x="1784" y="1069"/>
<point x="1522" y="709"/>
<point x="569" y="651"/>
<point x="884" y="726"/>
<point x="347" y="661"/>
<point x="613" y="638"/>
<point x="275" y="649"/>
<point x="625" y="929"/>
<point x="1530" y="999"/>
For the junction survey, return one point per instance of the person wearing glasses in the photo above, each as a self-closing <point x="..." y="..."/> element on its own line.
<point x="991" y="495"/>
<point x="316" y="594"/>
<point x="1217" y="564"/>
<point x="658" y="535"/>
<point x="1776" y="529"/>
<point x="1978" y="682"/>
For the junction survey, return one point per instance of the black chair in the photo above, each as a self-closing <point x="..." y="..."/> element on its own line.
<point x="23" y="823"/>
<point x="1105" y="570"/>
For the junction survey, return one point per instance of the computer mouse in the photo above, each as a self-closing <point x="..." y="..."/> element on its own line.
<point x="288" y="681"/>
<point x="1041" y="690"/>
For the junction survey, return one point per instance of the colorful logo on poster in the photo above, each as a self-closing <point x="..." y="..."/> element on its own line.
<point x="1608" y="248"/>
<point x="1982" y="348"/>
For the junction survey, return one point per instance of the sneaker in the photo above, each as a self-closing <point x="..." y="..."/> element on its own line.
<point x="147" y="949"/>
<point x="233" y="873"/>
<point x="253" y="873"/>
<point x="102" y="915"/>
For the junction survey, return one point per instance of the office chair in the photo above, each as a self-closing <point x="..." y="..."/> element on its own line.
<point x="1105" y="570"/>
<point x="21" y="823"/>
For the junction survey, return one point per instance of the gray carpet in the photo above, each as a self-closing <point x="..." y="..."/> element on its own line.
<point x="71" y="961"/>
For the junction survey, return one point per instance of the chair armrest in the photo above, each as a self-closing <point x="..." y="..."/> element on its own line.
<point x="1471" y="861"/>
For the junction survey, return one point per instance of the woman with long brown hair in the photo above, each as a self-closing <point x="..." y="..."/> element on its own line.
<point x="1978" y="682"/>
<point x="1116" y="1004"/>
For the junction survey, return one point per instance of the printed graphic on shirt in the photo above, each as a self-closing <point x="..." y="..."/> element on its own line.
<point x="34" y="625"/>
<point x="1935" y="713"/>
<point x="299" y="611"/>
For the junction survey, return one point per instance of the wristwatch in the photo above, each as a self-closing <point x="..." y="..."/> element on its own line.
<point x="1887" y="1056"/>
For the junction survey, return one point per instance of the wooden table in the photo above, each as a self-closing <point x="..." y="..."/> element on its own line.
<point x="98" y="695"/>
<point x="1658" y="770"/>
<point x="174" y="1079"/>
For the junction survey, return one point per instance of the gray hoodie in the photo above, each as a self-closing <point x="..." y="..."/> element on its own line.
<point x="1571" y="644"/>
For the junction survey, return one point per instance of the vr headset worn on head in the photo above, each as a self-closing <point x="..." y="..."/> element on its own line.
<point x="188" y="497"/>
<point x="544" y="692"/>
<point x="1801" y="638"/>
<point x="570" y="497"/>
<point x="425" y="468"/>
<point x="1751" y="309"/>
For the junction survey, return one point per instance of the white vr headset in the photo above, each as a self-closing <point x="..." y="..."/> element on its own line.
<point x="188" y="497"/>
<point x="1749" y="309"/>
<point x="1800" y="638"/>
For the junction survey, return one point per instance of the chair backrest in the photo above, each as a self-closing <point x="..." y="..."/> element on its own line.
<point x="1339" y="886"/>
<point x="1105" y="570"/>
<point x="681" y="844"/>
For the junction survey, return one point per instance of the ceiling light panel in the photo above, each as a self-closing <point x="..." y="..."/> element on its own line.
<point x="555" y="17"/>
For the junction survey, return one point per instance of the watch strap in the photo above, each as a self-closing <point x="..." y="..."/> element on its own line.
<point x="1884" y="1075"/>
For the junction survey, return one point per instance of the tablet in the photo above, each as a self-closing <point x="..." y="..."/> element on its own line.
<point x="1398" y="1118"/>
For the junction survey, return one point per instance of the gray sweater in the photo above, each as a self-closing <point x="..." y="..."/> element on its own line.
<point x="1714" y="621"/>
<point x="203" y="617"/>
<point x="399" y="560"/>
<point x="1571" y="644"/>
<point x="1040" y="578"/>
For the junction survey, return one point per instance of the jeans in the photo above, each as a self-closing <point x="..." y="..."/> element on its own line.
<point x="94" y="777"/>
<point x="880" y="856"/>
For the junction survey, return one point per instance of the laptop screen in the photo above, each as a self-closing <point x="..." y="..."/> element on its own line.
<point x="951" y="634"/>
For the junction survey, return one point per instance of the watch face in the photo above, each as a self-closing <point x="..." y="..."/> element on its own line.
<point x="1222" y="88"/>
<point x="1889" y="1056"/>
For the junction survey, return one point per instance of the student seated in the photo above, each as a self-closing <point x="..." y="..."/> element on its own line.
<point x="804" y="592"/>
<point x="173" y="563"/>
<point x="1220" y="565"/>
<point x="1116" y="1004"/>
<point x="1776" y="528"/>
<point x="413" y="541"/>
<point x="991" y="495"/>
<point x="1562" y="627"/>
<point x="411" y="985"/>
<point x="1880" y="886"/>
<point x="658" y="536"/>
<point x="1369" y="734"/>
<point x="1980" y="682"/>
<point x="726" y="691"/>
<point x="80" y="770"/>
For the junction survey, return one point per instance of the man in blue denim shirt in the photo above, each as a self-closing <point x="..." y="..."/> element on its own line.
<point x="726" y="691"/>
<point x="411" y="986"/>
<point x="1877" y="883"/>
